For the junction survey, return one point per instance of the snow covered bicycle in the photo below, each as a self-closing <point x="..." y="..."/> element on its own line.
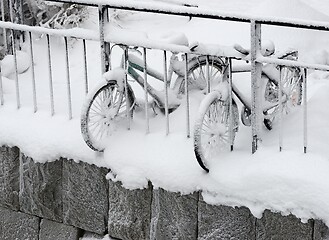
<point x="113" y="100"/>
<point x="218" y="119"/>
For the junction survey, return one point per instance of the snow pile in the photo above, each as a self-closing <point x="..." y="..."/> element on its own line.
<point x="8" y="64"/>
<point x="287" y="182"/>
<point x="293" y="9"/>
<point x="117" y="74"/>
<point x="43" y="137"/>
<point x="321" y="57"/>
<point x="320" y="5"/>
<point x="91" y="236"/>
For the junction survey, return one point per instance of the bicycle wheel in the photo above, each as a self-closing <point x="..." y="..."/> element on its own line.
<point x="292" y="94"/>
<point x="197" y="73"/>
<point x="102" y="111"/>
<point x="212" y="129"/>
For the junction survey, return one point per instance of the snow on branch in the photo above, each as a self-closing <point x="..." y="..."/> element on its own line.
<point x="56" y="15"/>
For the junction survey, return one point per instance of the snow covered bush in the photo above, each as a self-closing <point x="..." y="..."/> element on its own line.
<point x="55" y="15"/>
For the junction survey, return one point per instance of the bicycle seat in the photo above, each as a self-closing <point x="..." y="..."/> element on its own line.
<point x="268" y="48"/>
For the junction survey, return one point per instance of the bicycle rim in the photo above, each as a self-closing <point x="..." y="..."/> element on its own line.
<point x="292" y="89"/>
<point x="197" y="73"/>
<point x="212" y="132"/>
<point x="98" y="119"/>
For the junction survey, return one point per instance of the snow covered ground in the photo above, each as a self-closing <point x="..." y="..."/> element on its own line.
<point x="287" y="182"/>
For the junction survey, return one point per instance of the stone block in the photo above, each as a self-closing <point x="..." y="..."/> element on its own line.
<point x="129" y="212"/>
<point x="85" y="196"/>
<point x="17" y="225"/>
<point x="275" y="226"/>
<point x="41" y="189"/>
<point x="50" y="230"/>
<point x="9" y="177"/>
<point x="321" y="231"/>
<point x="174" y="216"/>
<point x="223" y="222"/>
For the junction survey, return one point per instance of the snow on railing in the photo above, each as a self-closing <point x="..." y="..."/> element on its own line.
<point x="76" y="33"/>
<point x="73" y="33"/>
<point x="103" y="5"/>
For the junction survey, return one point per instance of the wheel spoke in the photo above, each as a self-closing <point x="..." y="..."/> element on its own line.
<point x="96" y="110"/>
<point x="291" y="92"/>
<point x="213" y="76"/>
<point x="102" y="114"/>
<point x="98" y="103"/>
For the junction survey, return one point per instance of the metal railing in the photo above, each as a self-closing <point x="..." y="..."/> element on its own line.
<point x="103" y="5"/>
<point x="36" y="32"/>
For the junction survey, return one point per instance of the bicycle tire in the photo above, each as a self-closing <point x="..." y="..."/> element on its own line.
<point x="211" y="130"/>
<point x="104" y="105"/>
<point x="292" y="85"/>
<point x="197" y="73"/>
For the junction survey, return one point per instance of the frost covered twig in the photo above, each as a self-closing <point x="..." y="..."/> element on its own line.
<point x="56" y="15"/>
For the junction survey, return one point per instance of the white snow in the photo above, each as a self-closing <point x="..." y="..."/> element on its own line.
<point x="8" y="64"/>
<point x="117" y="74"/>
<point x="91" y="236"/>
<point x="286" y="182"/>
<point x="133" y="38"/>
<point x="293" y="9"/>
<point x="74" y="32"/>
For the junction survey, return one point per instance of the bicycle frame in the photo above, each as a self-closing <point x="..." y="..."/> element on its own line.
<point x="266" y="72"/>
<point x="134" y="63"/>
<point x="243" y="99"/>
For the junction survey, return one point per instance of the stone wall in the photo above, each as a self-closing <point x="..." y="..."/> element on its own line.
<point x="63" y="199"/>
<point x="53" y="200"/>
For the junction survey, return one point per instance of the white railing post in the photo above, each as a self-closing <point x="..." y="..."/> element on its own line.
<point x="128" y="106"/>
<point x="34" y="89"/>
<point x="187" y="99"/>
<point x="3" y="18"/>
<point x="280" y="110"/>
<point x="230" y="101"/>
<point x="68" y="79"/>
<point x="165" y="77"/>
<point x="50" y="72"/>
<point x="101" y="21"/>
<point x="304" y="75"/>
<point x="85" y="65"/>
<point x="1" y="89"/>
<point x="256" y="72"/>
<point x="208" y="75"/>
<point x="147" y="117"/>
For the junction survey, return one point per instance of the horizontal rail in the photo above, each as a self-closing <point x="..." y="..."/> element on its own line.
<point x="215" y="50"/>
<point x="115" y="37"/>
<point x="141" y="40"/>
<point x="74" y="32"/>
<point x="145" y="43"/>
<point x="200" y="13"/>
<point x="291" y="63"/>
